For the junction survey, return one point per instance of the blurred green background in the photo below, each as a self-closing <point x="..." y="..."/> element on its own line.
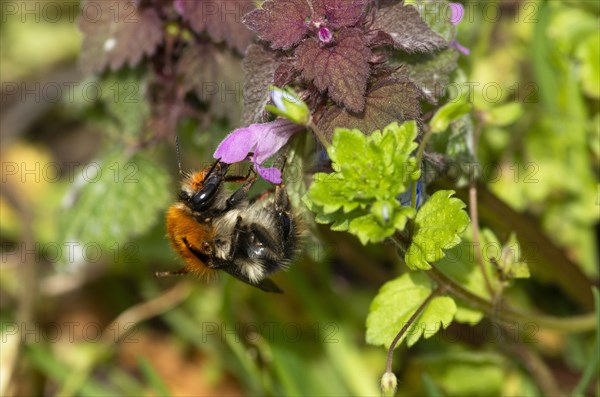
<point x="90" y="319"/>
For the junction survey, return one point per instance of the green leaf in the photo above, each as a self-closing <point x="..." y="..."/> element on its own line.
<point x="369" y="174"/>
<point x="588" y="54"/>
<point x="152" y="377"/>
<point x="463" y="373"/>
<point x="113" y="200"/>
<point x="505" y="114"/>
<point x="592" y="366"/>
<point x="460" y="149"/>
<point x="459" y="264"/>
<point x="505" y="259"/>
<point x="397" y="301"/>
<point x="447" y="114"/>
<point x="437" y="227"/>
<point x="368" y="228"/>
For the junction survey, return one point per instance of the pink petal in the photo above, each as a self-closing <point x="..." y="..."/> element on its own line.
<point x="179" y="7"/>
<point x="460" y="48"/>
<point x="236" y="146"/>
<point x="272" y="174"/>
<point x="272" y="137"/>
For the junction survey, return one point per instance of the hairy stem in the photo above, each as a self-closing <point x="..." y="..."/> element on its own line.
<point x="319" y="134"/>
<point x="411" y="320"/>
<point x="413" y="193"/>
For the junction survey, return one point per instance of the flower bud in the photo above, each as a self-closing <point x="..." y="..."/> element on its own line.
<point x="389" y="384"/>
<point x="288" y="105"/>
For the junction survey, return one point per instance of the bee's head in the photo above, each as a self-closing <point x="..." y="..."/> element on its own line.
<point x="200" y="189"/>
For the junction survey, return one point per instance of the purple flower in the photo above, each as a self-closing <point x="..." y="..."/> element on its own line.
<point x="457" y="11"/>
<point x="179" y="7"/>
<point x="325" y="35"/>
<point x="259" y="140"/>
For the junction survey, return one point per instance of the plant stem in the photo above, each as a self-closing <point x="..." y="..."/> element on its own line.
<point x="475" y="225"/>
<point x="413" y="194"/>
<point x="319" y="134"/>
<point x="411" y="320"/>
<point x="580" y="323"/>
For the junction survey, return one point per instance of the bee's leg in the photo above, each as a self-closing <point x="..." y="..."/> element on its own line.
<point x="282" y="201"/>
<point x="241" y="194"/>
<point x="265" y="284"/>
<point x="240" y="178"/>
<point x="236" y="239"/>
<point x="203" y="257"/>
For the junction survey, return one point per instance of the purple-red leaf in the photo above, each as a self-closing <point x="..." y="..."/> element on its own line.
<point x="388" y="100"/>
<point x="215" y="76"/>
<point x="280" y="22"/>
<point x="284" y="74"/>
<point x="259" y="68"/>
<point x="341" y="69"/>
<point x="340" y="13"/>
<point x="222" y="20"/>
<point x="406" y="30"/>
<point x="117" y="32"/>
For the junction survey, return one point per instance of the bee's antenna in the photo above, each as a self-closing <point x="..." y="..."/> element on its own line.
<point x="173" y="273"/>
<point x="177" y="153"/>
<point x="223" y="167"/>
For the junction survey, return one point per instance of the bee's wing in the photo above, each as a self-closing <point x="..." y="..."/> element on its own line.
<point x="266" y="284"/>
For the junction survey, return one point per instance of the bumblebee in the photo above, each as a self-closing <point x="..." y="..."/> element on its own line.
<point x="213" y="229"/>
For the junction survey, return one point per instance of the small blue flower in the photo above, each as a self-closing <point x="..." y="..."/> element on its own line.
<point x="405" y="198"/>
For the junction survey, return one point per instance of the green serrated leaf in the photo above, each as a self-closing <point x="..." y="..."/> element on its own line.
<point x="348" y="146"/>
<point x="339" y="220"/>
<point x="437" y="227"/>
<point x="115" y="199"/>
<point x="459" y="264"/>
<point x="369" y="174"/>
<point x="397" y="301"/>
